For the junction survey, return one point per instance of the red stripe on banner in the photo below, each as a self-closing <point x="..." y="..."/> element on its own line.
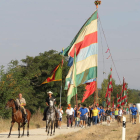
<point x="88" y="40"/>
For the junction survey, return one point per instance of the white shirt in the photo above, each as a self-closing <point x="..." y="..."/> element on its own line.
<point x="60" y="113"/>
<point x="70" y="111"/>
<point x="120" y="113"/>
<point x="87" y="113"/>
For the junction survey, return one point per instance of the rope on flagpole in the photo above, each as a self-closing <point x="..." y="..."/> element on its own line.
<point x="109" y="48"/>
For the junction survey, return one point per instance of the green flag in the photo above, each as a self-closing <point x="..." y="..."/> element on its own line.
<point x="72" y="91"/>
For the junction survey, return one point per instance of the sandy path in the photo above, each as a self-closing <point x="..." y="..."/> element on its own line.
<point x="37" y="134"/>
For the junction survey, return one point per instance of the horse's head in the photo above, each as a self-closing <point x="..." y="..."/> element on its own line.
<point x="51" y="106"/>
<point x="10" y="103"/>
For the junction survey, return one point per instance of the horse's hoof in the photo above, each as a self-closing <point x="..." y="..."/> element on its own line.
<point x="50" y="134"/>
<point x="47" y="134"/>
<point x="8" y="137"/>
<point x="18" y="136"/>
<point x="27" y="135"/>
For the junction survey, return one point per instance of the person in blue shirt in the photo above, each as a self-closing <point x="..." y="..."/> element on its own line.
<point x="101" y="114"/>
<point x="83" y="111"/>
<point x="134" y="111"/>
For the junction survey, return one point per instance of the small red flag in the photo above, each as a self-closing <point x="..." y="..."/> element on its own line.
<point x="90" y="88"/>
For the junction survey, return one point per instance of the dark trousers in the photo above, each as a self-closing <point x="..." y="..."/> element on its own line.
<point x="89" y="121"/>
<point x="45" y="110"/>
<point x="69" y="119"/>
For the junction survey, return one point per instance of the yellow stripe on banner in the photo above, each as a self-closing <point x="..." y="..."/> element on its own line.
<point x="83" y="65"/>
<point x="51" y="81"/>
<point x="91" y="28"/>
<point x="70" y="90"/>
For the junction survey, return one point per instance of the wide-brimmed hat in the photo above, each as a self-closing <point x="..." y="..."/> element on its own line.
<point x="49" y="92"/>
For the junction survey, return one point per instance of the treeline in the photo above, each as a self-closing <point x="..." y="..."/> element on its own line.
<point x="133" y="95"/>
<point x="26" y="78"/>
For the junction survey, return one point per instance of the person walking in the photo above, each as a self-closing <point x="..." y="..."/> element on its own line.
<point x="83" y="111"/>
<point x="70" y="115"/>
<point x="89" y="116"/>
<point x="120" y="113"/>
<point x="108" y="116"/>
<point x="60" y="112"/>
<point x="95" y="115"/>
<point x="75" y="115"/>
<point x="134" y="111"/>
<point x="116" y="113"/>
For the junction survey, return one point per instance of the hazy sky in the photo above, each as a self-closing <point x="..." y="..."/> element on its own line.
<point x="28" y="27"/>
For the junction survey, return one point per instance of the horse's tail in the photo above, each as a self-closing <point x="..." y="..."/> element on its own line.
<point x="28" y="114"/>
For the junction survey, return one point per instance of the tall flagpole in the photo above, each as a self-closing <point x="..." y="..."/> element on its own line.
<point x="62" y="78"/>
<point x="75" y="79"/>
<point x="97" y="2"/>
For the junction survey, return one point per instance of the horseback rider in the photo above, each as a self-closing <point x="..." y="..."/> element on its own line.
<point x="21" y="103"/>
<point x="49" y="98"/>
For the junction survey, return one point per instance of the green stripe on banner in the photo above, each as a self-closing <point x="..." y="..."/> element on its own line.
<point x="88" y="74"/>
<point x="74" y="92"/>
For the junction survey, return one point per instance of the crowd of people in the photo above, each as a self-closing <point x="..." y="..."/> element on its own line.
<point x="83" y="116"/>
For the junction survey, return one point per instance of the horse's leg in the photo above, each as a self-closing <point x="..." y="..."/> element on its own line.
<point x="23" y="130"/>
<point x="28" y="129"/>
<point x="54" y="128"/>
<point x="18" y="130"/>
<point x="51" y="127"/>
<point x="46" y="125"/>
<point x="12" y="123"/>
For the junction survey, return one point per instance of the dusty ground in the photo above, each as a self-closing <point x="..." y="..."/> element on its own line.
<point x="99" y="132"/>
<point x="103" y="132"/>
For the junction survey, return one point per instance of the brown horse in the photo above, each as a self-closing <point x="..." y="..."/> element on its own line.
<point x="17" y="116"/>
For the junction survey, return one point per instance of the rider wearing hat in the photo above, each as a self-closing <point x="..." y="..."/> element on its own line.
<point x="49" y="98"/>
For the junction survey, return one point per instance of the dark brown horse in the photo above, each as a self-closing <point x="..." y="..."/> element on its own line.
<point x="17" y="116"/>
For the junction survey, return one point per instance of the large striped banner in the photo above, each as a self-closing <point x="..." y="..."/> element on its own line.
<point x="86" y="46"/>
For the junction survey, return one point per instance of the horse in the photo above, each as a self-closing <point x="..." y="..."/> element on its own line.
<point x="17" y="116"/>
<point x="50" y="118"/>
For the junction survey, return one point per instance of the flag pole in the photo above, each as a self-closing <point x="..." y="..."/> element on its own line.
<point x="62" y="78"/>
<point x="97" y="2"/>
<point x="60" y="93"/>
<point x="75" y="80"/>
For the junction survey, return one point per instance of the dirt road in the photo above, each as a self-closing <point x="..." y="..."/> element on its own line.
<point x="38" y="134"/>
<point x="99" y="132"/>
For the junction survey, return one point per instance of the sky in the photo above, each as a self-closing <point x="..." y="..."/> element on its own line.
<point x="30" y="27"/>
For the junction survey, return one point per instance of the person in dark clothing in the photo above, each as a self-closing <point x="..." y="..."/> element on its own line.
<point x="89" y="116"/>
<point x="48" y="102"/>
<point x="108" y="115"/>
